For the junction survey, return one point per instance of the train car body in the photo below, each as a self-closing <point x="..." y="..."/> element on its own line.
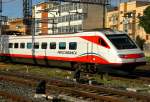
<point x="96" y="48"/>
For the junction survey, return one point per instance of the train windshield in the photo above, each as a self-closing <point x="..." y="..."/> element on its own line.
<point x="122" y="41"/>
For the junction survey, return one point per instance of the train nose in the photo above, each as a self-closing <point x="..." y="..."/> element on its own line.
<point x="135" y="59"/>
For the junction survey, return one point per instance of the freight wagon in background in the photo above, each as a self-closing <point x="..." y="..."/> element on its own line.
<point x="89" y="50"/>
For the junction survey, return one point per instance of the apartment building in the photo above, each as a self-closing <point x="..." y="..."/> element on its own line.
<point x="126" y="18"/>
<point x="15" y="25"/>
<point x="54" y="18"/>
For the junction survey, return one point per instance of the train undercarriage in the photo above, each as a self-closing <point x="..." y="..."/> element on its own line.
<point x="85" y="67"/>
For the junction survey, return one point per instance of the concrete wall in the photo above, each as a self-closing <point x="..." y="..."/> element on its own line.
<point x="94" y="17"/>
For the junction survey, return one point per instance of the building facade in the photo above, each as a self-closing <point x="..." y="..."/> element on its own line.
<point x="54" y="18"/>
<point x="16" y="25"/>
<point x="126" y="18"/>
<point x="4" y="24"/>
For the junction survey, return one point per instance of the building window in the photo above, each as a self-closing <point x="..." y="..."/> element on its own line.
<point x="67" y="18"/>
<point x="10" y="45"/>
<point x="16" y="45"/>
<point x="44" y="45"/>
<point x="70" y="17"/>
<point x="59" y="30"/>
<point x="114" y="19"/>
<point x="125" y="27"/>
<point x="79" y="27"/>
<point x="78" y="6"/>
<point x="62" y="45"/>
<point x="75" y="17"/>
<point x="72" y="46"/>
<point x="75" y="28"/>
<point x="53" y="45"/>
<point x="22" y="45"/>
<point x="67" y="29"/>
<point x="130" y="25"/>
<point x="71" y="29"/>
<point x="110" y="19"/>
<point x="80" y="17"/>
<point x="29" y="45"/>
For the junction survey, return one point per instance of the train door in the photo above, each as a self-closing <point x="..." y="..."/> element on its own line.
<point x="40" y="49"/>
<point x="89" y="50"/>
<point x="44" y="49"/>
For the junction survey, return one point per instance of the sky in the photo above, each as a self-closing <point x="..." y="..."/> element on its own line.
<point x="13" y="8"/>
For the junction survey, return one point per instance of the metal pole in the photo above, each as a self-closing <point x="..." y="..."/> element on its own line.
<point x="0" y="17"/>
<point x="69" y="25"/>
<point x="53" y="26"/>
<point x="104" y="15"/>
<point x="53" y="22"/>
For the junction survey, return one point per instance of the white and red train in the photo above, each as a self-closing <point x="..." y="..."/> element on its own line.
<point x="93" y="48"/>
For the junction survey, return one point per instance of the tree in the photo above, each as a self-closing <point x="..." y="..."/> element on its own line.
<point x="145" y="20"/>
<point x="140" y="42"/>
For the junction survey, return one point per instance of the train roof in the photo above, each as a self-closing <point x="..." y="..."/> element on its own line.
<point x="108" y="31"/>
<point x="87" y="33"/>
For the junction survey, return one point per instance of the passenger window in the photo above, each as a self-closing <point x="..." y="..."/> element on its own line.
<point x="29" y="45"/>
<point x="53" y="45"/>
<point x="102" y="42"/>
<point x="44" y="45"/>
<point x="10" y="45"/>
<point x="22" y="45"/>
<point x="72" y="46"/>
<point x="62" y="45"/>
<point x="16" y="45"/>
<point x="36" y="45"/>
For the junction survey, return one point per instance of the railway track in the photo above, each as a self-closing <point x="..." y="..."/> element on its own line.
<point x="14" y="98"/>
<point x="86" y="93"/>
<point x="140" y="76"/>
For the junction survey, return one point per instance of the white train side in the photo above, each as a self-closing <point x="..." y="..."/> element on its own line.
<point x="92" y="49"/>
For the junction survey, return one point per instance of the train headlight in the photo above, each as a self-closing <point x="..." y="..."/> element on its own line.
<point x="122" y="56"/>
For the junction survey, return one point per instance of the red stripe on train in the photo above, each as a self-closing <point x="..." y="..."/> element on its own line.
<point x="89" y="58"/>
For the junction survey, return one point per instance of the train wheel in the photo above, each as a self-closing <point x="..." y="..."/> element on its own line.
<point x="73" y="65"/>
<point x="76" y="66"/>
<point x="83" y="67"/>
<point x="93" y="68"/>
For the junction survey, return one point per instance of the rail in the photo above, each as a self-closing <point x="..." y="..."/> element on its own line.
<point x="81" y="90"/>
